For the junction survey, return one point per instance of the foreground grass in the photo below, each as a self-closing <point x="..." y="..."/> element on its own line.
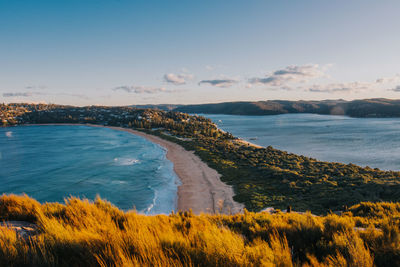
<point x="81" y="233"/>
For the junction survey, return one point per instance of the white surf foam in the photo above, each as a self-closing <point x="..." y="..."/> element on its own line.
<point x="151" y="206"/>
<point x="125" y="161"/>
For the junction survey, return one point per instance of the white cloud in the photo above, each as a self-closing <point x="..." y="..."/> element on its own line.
<point x="177" y="79"/>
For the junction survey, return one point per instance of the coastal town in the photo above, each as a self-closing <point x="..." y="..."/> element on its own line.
<point x="13" y="114"/>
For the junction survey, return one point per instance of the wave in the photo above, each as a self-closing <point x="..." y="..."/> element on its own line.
<point x="9" y="134"/>
<point x="118" y="182"/>
<point x="165" y="192"/>
<point x="125" y="161"/>
<point x="151" y="206"/>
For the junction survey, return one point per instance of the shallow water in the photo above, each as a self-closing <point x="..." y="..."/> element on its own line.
<point x="50" y="163"/>
<point x="373" y="142"/>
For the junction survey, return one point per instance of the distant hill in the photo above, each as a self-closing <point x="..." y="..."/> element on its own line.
<point x="165" y="107"/>
<point x="378" y="107"/>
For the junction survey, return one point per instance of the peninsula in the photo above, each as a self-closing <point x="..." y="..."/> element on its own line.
<point x="260" y="177"/>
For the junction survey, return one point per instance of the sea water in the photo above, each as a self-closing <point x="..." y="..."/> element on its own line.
<point x="51" y="163"/>
<point x="373" y="142"/>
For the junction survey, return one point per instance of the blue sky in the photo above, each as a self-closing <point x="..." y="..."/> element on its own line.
<point x="121" y="52"/>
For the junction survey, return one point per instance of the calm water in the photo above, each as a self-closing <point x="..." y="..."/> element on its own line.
<point x="369" y="141"/>
<point x="50" y="163"/>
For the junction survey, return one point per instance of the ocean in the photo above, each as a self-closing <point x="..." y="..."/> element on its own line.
<point x="373" y="142"/>
<point x="51" y="163"/>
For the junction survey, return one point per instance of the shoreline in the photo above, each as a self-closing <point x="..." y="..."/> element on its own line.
<point x="240" y="140"/>
<point x="201" y="188"/>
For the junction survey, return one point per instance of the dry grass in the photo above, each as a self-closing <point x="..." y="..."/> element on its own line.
<point x="81" y="233"/>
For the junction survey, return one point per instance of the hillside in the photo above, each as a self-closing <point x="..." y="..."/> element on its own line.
<point x="356" y="108"/>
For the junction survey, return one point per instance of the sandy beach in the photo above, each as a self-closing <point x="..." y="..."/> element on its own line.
<point x="202" y="189"/>
<point x="244" y="142"/>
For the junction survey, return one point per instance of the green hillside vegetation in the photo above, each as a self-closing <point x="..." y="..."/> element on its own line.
<point x="261" y="177"/>
<point x="81" y="233"/>
<point x="267" y="177"/>
<point x="357" y="108"/>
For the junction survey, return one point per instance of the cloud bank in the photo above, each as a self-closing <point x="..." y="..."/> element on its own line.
<point x="392" y="79"/>
<point x="137" y="89"/>
<point x="396" y="89"/>
<point x="35" y="87"/>
<point x="299" y="78"/>
<point x="290" y="74"/>
<point x="341" y="87"/>
<point x="356" y="86"/>
<point x="18" y="94"/>
<point x="30" y="94"/>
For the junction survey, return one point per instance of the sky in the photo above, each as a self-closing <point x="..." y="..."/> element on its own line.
<point x="123" y="52"/>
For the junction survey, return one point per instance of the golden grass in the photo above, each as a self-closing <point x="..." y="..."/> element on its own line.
<point x="84" y="233"/>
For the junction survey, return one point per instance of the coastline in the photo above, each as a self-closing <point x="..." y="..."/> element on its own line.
<point x="201" y="188"/>
<point x="244" y="142"/>
<point x="240" y="140"/>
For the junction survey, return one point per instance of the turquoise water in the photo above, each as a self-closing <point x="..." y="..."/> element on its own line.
<point x="50" y="163"/>
<point x="373" y="142"/>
